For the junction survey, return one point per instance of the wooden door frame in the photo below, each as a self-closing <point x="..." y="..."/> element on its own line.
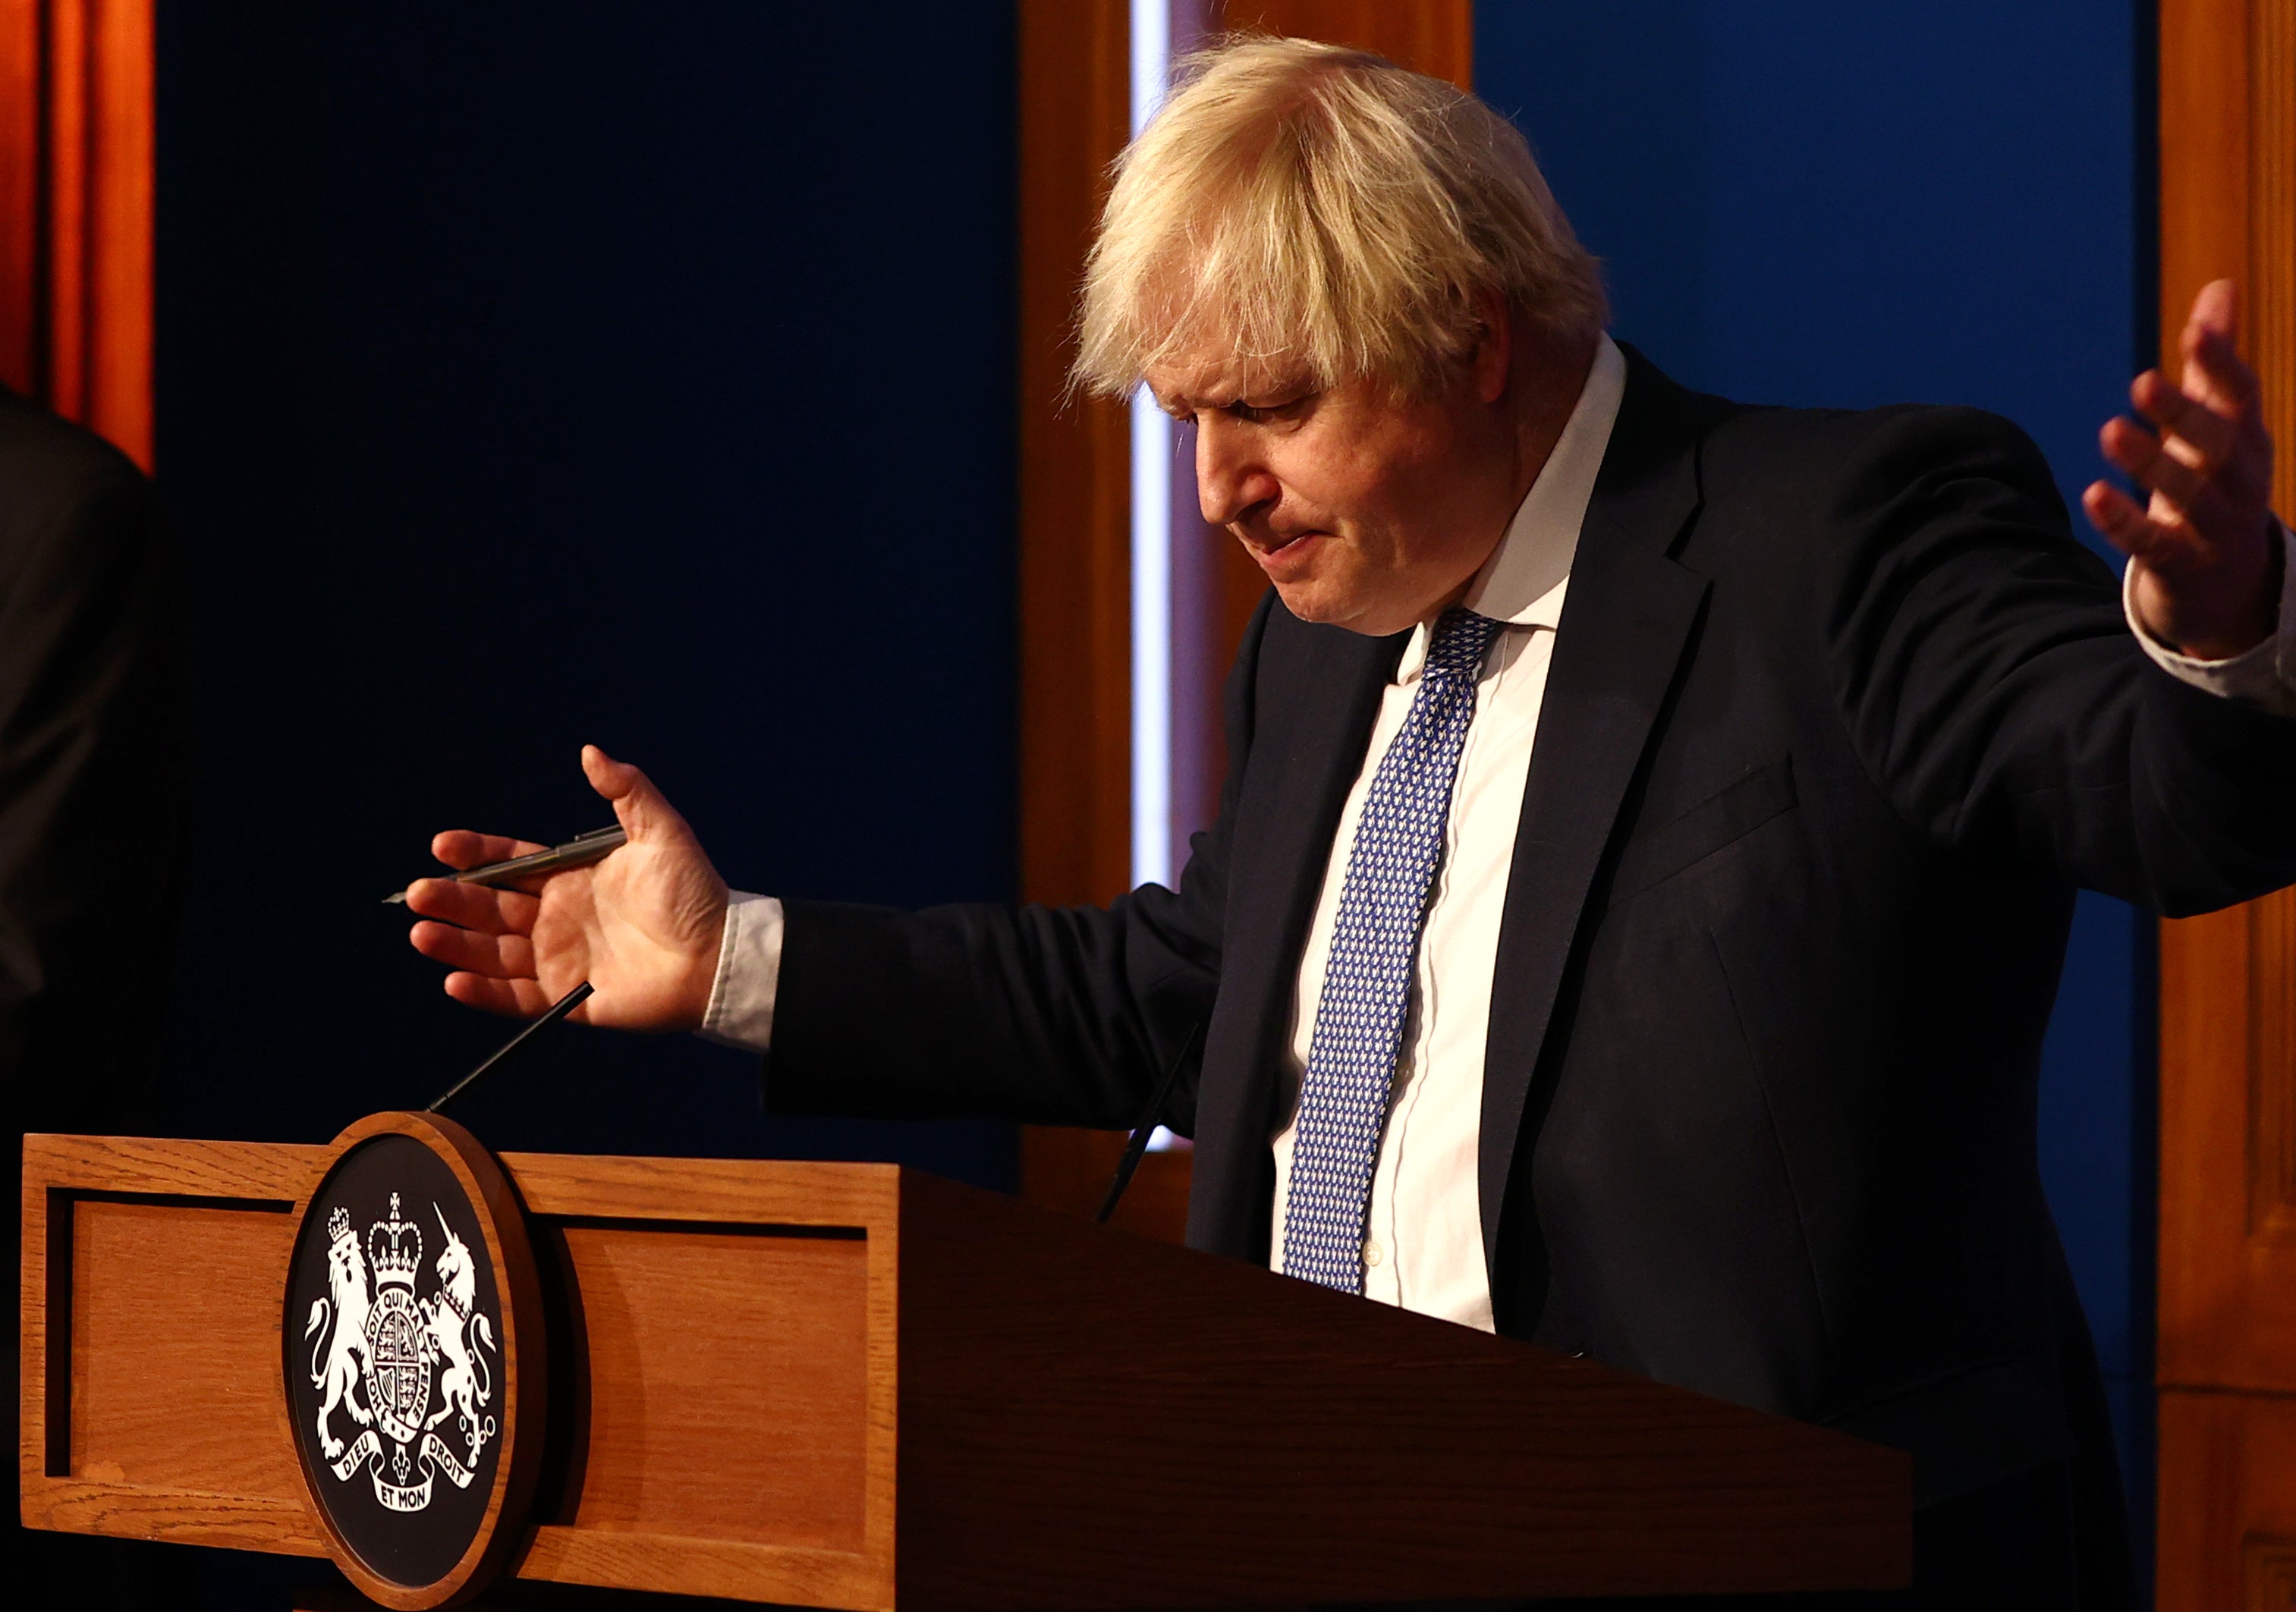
<point x="2226" y="1351"/>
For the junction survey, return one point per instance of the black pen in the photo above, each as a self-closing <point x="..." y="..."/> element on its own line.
<point x="595" y="845"/>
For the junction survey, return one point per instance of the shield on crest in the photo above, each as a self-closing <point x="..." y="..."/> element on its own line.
<point x="397" y="1364"/>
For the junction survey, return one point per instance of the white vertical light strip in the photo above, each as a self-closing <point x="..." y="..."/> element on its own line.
<point x="1152" y="57"/>
<point x="1151" y="532"/>
<point x="1151" y="543"/>
<point x="1151" y="643"/>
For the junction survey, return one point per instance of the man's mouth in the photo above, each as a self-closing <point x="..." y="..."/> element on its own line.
<point x="1282" y="550"/>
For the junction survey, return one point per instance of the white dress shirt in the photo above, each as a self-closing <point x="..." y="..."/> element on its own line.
<point x="1423" y="1249"/>
<point x="1423" y="1245"/>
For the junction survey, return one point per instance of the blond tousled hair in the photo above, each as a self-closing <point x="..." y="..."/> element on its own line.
<point x="1309" y="208"/>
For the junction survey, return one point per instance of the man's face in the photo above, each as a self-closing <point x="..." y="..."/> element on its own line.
<point x="1366" y="511"/>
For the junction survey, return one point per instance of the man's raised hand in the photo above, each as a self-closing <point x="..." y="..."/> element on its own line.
<point x="2208" y="566"/>
<point x="642" y="926"/>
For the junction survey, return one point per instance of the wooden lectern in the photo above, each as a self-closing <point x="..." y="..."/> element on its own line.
<point x="855" y="1385"/>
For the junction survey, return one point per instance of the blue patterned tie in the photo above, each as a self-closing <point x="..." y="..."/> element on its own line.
<point x="1375" y="945"/>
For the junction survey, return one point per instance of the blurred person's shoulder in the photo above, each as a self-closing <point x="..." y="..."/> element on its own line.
<point x="64" y="488"/>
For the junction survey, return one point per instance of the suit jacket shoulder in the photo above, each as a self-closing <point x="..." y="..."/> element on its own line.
<point x="95" y="774"/>
<point x="54" y="474"/>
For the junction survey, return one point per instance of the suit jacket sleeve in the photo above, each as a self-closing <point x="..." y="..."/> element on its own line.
<point x="1993" y="691"/>
<point x="94" y="763"/>
<point x="1044" y="1015"/>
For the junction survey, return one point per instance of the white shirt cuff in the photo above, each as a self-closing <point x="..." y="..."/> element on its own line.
<point x="740" y="1012"/>
<point x="2264" y="677"/>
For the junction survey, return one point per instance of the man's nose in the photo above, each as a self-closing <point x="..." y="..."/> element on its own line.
<point x="1230" y="477"/>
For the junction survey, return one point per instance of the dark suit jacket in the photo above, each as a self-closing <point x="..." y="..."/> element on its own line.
<point x="1840" y="715"/>
<point x="95" y="774"/>
<point x="95" y="802"/>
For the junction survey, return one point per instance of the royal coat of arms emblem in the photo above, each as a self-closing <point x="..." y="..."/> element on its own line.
<point x="396" y="1365"/>
<point x="413" y="1360"/>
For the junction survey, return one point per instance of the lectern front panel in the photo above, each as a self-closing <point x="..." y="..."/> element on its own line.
<point x="168" y="1379"/>
<point x="731" y="1420"/>
<point x="151" y="1405"/>
<point x="728" y="1389"/>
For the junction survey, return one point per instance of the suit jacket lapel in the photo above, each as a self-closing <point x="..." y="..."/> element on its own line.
<point x="1626" y="621"/>
<point x="1318" y="695"/>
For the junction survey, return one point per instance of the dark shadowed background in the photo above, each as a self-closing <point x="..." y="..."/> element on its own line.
<point x="530" y="375"/>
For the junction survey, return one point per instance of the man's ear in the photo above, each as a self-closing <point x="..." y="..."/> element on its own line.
<point x="1493" y="356"/>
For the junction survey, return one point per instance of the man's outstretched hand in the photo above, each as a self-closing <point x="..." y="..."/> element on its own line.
<point x="2208" y="573"/>
<point x="642" y="926"/>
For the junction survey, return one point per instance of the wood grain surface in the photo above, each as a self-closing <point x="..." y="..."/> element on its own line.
<point x="728" y="1395"/>
<point x="2230" y="1529"/>
<point x="2226" y="1351"/>
<point x="751" y="1193"/>
<point x="731" y="1399"/>
<point x="21" y="338"/>
<point x="850" y="1386"/>
<point x="185" y="1295"/>
<point x="1075" y="470"/>
<point x="1432" y="36"/>
<point x="1092" y="1419"/>
<point x="171" y="1421"/>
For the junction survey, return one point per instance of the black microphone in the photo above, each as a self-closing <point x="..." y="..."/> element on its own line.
<point x="1150" y="1118"/>
<point x="564" y="1005"/>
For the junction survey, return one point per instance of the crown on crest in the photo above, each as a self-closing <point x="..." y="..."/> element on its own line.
<point x="339" y="1225"/>
<point x="394" y="1248"/>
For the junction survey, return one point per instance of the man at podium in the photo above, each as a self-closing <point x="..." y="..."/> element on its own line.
<point x="1651" y="833"/>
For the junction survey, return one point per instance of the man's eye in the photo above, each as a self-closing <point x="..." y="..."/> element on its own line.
<point x="1259" y="413"/>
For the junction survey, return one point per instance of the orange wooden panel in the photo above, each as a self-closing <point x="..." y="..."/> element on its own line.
<point x="2228" y="1231"/>
<point x="19" y="192"/>
<point x="66" y="310"/>
<point x="2272" y="228"/>
<point x="793" y="1501"/>
<point x="2204" y="151"/>
<point x="175" y="1347"/>
<point x="1076" y="643"/>
<point x="2227" y="1533"/>
<point x="170" y="1450"/>
<point x="76" y="191"/>
<point x="718" y="1316"/>
<point x="728" y="1384"/>
<point x="784" y="1192"/>
<point x="1434" y="37"/>
<point x="117" y="345"/>
<point x="2227" y="1271"/>
<point x="2227" y="1253"/>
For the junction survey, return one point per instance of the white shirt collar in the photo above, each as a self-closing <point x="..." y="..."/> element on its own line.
<point x="1522" y="582"/>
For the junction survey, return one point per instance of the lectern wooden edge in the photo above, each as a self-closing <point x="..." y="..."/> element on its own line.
<point x="856" y="1385"/>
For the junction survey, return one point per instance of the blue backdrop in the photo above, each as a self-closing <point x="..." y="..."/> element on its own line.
<point x="1812" y="203"/>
